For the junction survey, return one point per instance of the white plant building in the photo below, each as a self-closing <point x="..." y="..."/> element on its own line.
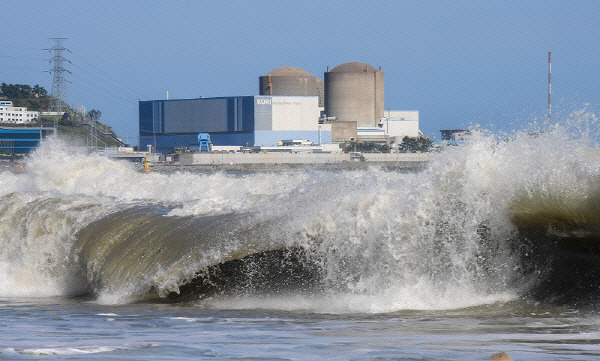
<point x="401" y="123"/>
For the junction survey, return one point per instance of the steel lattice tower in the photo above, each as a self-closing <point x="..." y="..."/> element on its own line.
<point x="59" y="82"/>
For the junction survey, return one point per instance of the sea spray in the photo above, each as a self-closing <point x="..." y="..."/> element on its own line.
<point x="446" y="237"/>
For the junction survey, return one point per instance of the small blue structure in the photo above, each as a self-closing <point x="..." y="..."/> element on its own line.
<point x="21" y="140"/>
<point x="204" y="141"/>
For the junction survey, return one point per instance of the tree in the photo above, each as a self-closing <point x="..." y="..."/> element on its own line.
<point x="22" y="91"/>
<point x="367" y="147"/>
<point x="413" y="145"/>
<point x="94" y="115"/>
<point x="39" y="91"/>
<point x="32" y="98"/>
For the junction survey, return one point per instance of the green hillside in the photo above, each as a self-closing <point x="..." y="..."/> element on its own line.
<point x="75" y="127"/>
<point x="79" y="133"/>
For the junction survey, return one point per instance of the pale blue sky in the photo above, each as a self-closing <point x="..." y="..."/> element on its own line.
<point x="458" y="62"/>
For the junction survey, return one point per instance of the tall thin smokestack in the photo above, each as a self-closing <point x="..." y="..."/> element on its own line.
<point x="549" y="88"/>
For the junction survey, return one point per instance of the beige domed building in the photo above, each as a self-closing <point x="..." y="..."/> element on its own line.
<point x="354" y="92"/>
<point x="289" y="80"/>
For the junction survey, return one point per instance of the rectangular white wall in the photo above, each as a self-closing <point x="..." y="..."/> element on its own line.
<point x="278" y="118"/>
<point x="401" y="123"/>
<point x="295" y="113"/>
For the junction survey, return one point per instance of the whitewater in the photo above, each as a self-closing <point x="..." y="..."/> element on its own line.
<point x="493" y="247"/>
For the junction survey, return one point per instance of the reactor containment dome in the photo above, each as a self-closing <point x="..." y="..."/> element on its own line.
<point x="289" y="80"/>
<point x="354" y="92"/>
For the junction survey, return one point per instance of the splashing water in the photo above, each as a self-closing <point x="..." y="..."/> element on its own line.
<point x="454" y="235"/>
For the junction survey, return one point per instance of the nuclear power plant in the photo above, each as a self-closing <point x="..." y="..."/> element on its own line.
<point x="348" y="105"/>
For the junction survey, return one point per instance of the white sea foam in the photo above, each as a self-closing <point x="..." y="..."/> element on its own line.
<point x="384" y="240"/>
<point x="67" y="351"/>
<point x="391" y="301"/>
<point x="76" y="350"/>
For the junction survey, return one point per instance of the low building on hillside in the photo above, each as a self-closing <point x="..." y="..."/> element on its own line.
<point x="10" y="114"/>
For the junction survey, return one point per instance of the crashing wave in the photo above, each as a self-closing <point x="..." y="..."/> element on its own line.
<point x="489" y="221"/>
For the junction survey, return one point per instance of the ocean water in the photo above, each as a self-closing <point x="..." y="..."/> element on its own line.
<point x="493" y="248"/>
<point x="59" y="329"/>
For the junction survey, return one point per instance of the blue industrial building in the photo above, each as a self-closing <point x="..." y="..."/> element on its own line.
<point x="237" y="121"/>
<point x="21" y="140"/>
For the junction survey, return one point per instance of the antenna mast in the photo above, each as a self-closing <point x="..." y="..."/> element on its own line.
<point x="59" y="82"/>
<point x="549" y="88"/>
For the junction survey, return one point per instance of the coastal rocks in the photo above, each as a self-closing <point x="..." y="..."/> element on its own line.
<point x="502" y="356"/>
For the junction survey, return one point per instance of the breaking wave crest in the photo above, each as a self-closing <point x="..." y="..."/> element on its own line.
<point x="492" y="220"/>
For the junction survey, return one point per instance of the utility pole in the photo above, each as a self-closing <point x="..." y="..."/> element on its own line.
<point x="59" y="82"/>
<point x="549" y="88"/>
<point x="94" y="142"/>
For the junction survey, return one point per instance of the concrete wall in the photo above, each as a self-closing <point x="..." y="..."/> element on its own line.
<point x="297" y="158"/>
<point x="397" y="157"/>
<point x="263" y="158"/>
<point x="342" y="131"/>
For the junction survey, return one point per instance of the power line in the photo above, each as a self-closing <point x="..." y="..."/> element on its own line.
<point x="19" y="47"/>
<point x="21" y="57"/>
<point x="37" y="65"/>
<point x="94" y="75"/>
<point x="115" y="95"/>
<point x="108" y="76"/>
<point x="59" y="80"/>
<point x="85" y="85"/>
<point x="22" y="68"/>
